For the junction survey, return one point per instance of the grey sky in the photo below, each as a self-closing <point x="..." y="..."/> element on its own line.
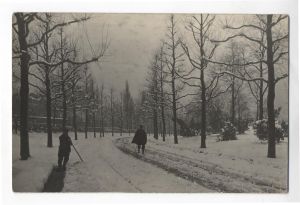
<point x="133" y="40"/>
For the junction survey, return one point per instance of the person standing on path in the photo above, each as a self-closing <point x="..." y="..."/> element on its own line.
<point x="140" y="139"/>
<point x="64" y="150"/>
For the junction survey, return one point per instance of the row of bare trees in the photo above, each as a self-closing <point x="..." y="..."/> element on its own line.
<point x="47" y="61"/>
<point x="246" y="62"/>
<point x="189" y="73"/>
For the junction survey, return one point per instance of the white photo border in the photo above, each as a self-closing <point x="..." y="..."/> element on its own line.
<point x="8" y="7"/>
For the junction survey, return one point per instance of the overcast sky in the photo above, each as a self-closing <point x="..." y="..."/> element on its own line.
<point x="133" y="41"/>
<point x="134" y="38"/>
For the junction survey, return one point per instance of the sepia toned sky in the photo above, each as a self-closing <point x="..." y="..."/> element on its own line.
<point x="134" y="38"/>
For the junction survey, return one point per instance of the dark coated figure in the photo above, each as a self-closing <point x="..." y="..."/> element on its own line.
<point x="64" y="149"/>
<point x="140" y="138"/>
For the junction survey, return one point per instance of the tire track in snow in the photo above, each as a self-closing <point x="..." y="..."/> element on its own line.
<point x="83" y="173"/>
<point x="206" y="174"/>
<point x="119" y="173"/>
<point x="107" y="169"/>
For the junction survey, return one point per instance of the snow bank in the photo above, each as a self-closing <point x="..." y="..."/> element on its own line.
<point x="230" y="166"/>
<point x="30" y="175"/>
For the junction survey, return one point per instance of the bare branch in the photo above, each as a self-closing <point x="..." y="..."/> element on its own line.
<point x="37" y="77"/>
<point x="189" y="94"/>
<point x="57" y="26"/>
<point x="219" y="93"/>
<point x="244" y="26"/>
<point x="280" y="18"/>
<point x="241" y="77"/>
<point x="280" y="78"/>
<point x="242" y="35"/>
<point x="279" y="39"/>
<point x="279" y="56"/>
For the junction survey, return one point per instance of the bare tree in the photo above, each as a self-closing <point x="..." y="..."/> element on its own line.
<point x="162" y="95"/>
<point x="153" y="92"/>
<point x="121" y="113"/>
<point x="47" y="54"/>
<point x="112" y="110"/>
<point x="200" y="28"/>
<point x="87" y="97"/>
<point x="21" y="27"/>
<point x="94" y="104"/>
<point x="275" y="43"/>
<point x="22" y="24"/>
<point x="77" y="96"/>
<point x="128" y="107"/>
<point x="101" y="104"/>
<point x="64" y="52"/>
<point x="258" y="88"/>
<point x="173" y="59"/>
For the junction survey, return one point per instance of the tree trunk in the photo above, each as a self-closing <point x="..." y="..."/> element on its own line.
<point x="48" y="109"/>
<point x="169" y="127"/>
<point x="233" y="102"/>
<point x="155" y="117"/>
<point x="155" y="130"/>
<point x="64" y="103"/>
<point x="163" y="123"/>
<point x="74" y="120"/>
<point x="94" y="124"/>
<point x="271" y="91"/>
<point x="86" y="122"/>
<point x="112" y="113"/>
<point x="261" y="95"/>
<point x="86" y="104"/>
<point x="203" y="111"/>
<point x="54" y="116"/>
<point x="63" y="91"/>
<point x="102" y="122"/>
<point x="174" y="109"/>
<point x="121" y="131"/>
<point x="24" y="88"/>
<point x="257" y="110"/>
<point x="162" y="99"/>
<point x="203" y="88"/>
<point x="48" y="89"/>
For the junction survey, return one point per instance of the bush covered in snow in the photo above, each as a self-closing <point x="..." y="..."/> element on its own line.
<point x="261" y="127"/>
<point x="228" y="132"/>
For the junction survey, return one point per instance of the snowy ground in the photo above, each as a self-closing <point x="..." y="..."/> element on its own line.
<point x="30" y="175"/>
<point x="232" y="166"/>
<point x="105" y="169"/>
<point x="228" y="166"/>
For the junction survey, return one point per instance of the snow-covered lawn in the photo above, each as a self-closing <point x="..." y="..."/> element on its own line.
<point x="30" y="175"/>
<point x="242" y="162"/>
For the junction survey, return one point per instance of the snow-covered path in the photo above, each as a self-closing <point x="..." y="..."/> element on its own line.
<point x="107" y="169"/>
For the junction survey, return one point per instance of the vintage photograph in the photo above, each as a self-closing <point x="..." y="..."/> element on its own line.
<point x="150" y="103"/>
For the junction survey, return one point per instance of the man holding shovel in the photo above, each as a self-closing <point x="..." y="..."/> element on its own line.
<point x="64" y="150"/>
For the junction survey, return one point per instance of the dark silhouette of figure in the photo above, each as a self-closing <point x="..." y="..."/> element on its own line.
<point x="140" y="138"/>
<point x="64" y="149"/>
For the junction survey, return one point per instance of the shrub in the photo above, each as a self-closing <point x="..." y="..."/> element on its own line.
<point x="228" y="132"/>
<point x="261" y="127"/>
